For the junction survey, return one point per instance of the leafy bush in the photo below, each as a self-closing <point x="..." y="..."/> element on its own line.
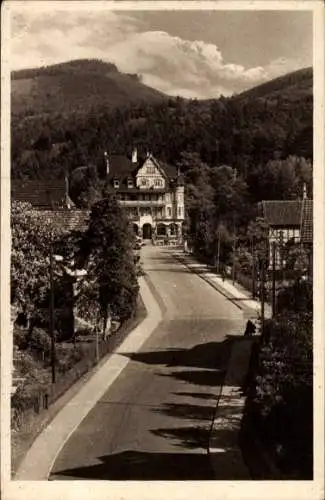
<point x="67" y="358"/>
<point x="283" y="395"/>
<point x="298" y="297"/>
<point x="40" y="340"/>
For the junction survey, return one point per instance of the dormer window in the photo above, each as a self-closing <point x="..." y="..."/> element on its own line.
<point x="116" y="183"/>
<point x="130" y="183"/>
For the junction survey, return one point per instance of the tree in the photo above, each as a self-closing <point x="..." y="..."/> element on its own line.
<point x="280" y="179"/>
<point x="107" y="249"/>
<point x="257" y="233"/>
<point x="199" y="202"/>
<point x="230" y="195"/>
<point x="84" y="186"/>
<point x="31" y="236"/>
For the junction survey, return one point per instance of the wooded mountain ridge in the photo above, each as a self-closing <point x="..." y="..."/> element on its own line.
<point x="271" y="121"/>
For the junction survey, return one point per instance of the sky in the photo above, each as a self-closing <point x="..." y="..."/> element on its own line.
<point x="195" y="54"/>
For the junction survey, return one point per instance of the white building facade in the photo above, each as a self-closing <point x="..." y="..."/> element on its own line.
<point x="152" y="194"/>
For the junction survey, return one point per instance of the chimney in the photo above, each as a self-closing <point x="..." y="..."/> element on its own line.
<point x="304" y="192"/>
<point x="135" y="156"/>
<point x="67" y="197"/>
<point x="107" y="162"/>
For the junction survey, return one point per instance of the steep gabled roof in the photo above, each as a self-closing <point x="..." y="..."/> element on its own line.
<point x="307" y="221"/>
<point x="121" y="167"/>
<point x="170" y="170"/>
<point x="41" y="193"/>
<point x="282" y="212"/>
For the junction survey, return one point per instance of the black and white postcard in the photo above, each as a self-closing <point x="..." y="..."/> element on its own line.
<point x="162" y="249"/>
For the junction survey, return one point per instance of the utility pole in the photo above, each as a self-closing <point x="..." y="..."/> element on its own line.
<point x="234" y="242"/>
<point x="262" y="297"/>
<point x="263" y="272"/>
<point x="234" y="257"/>
<point x="273" y="281"/>
<point x="52" y="312"/>
<point x="218" y="252"/>
<point x="97" y="345"/>
<point x="253" y="268"/>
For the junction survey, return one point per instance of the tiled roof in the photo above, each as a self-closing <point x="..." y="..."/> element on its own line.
<point x="40" y="193"/>
<point x="120" y="167"/>
<point x="307" y="221"/>
<point x="170" y="170"/>
<point x="67" y="220"/>
<point x="282" y="212"/>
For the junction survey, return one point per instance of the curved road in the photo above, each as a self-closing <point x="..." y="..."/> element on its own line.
<point x="154" y="420"/>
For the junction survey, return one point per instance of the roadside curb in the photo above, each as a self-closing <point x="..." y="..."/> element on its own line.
<point x="39" y="459"/>
<point x="246" y="309"/>
<point x="224" y="449"/>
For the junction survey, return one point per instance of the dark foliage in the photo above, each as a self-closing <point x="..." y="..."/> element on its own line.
<point x="107" y="247"/>
<point x="244" y="132"/>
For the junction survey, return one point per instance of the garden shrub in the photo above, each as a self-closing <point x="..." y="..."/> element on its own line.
<point x="283" y="394"/>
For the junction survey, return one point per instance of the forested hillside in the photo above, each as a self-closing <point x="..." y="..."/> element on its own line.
<point x="270" y="122"/>
<point x="76" y="87"/>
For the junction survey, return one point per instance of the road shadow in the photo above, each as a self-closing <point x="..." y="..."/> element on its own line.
<point x="210" y="355"/>
<point x="187" y="411"/>
<point x="143" y="466"/>
<point x="198" y="377"/>
<point x="191" y="437"/>
<point x="196" y="395"/>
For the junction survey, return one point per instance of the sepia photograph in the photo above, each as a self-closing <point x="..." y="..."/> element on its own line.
<point x="159" y="183"/>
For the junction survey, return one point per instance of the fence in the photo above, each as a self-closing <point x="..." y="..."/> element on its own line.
<point x="26" y="407"/>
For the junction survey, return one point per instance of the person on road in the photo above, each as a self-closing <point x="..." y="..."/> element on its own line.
<point x="250" y="329"/>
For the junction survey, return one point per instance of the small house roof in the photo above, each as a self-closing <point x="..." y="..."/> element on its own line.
<point x="43" y="194"/>
<point x="67" y="220"/>
<point x="281" y="213"/>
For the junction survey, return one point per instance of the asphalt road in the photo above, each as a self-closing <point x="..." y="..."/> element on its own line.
<point x="153" y="422"/>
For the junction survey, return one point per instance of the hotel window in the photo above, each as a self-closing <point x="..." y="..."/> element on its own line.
<point x="116" y="183"/>
<point x="158" y="182"/>
<point x="169" y="212"/>
<point x="144" y="181"/>
<point x="130" y="183"/>
<point x="151" y="170"/>
<point x="179" y="211"/>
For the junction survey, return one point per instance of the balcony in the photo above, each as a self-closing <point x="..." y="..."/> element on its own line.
<point x="142" y="203"/>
